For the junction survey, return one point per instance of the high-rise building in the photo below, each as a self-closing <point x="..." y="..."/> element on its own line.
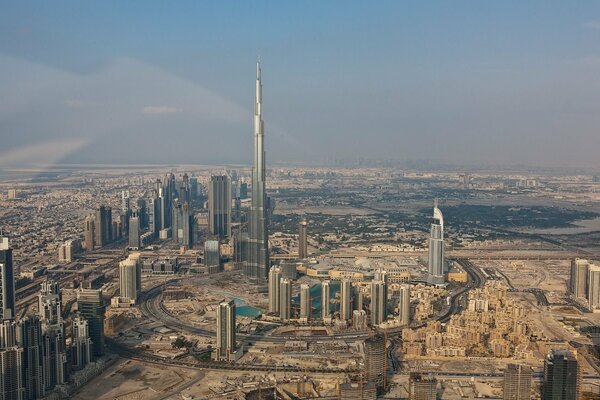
<point x="305" y="303"/>
<point x="325" y="296"/>
<point x="193" y="188"/>
<point x="125" y="202"/>
<point x="257" y="265"/>
<point x="103" y="226"/>
<point x="578" y="282"/>
<point x="422" y="387"/>
<point x="81" y="344"/>
<point x="436" y="248"/>
<point x="212" y="256"/>
<point x="187" y="226"/>
<point x="345" y="300"/>
<point x="11" y="362"/>
<point x="376" y="361"/>
<point x="130" y="277"/>
<point x="89" y="236"/>
<point x="285" y="299"/>
<point x="302" y="240"/>
<point x="378" y="303"/>
<point x="561" y="376"/>
<point x="7" y="281"/>
<point x="134" y="230"/>
<point x="154" y="215"/>
<point x="358" y="297"/>
<point x="240" y="248"/>
<point x="219" y="206"/>
<point x="382" y="275"/>
<point x="274" y="280"/>
<point x="359" y="320"/>
<point x="517" y="382"/>
<point x="30" y="339"/>
<point x="226" y="326"/>
<point x="91" y="306"/>
<point x="53" y="336"/>
<point x="593" y="286"/>
<point x="404" y="305"/>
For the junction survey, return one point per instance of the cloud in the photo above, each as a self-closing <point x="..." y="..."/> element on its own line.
<point x="160" y="110"/>
<point x="593" y="25"/>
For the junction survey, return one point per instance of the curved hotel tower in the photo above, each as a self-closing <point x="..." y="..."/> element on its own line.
<point x="436" y="248"/>
<point x="257" y="264"/>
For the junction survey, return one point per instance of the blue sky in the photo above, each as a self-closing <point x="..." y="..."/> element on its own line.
<point x="462" y="82"/>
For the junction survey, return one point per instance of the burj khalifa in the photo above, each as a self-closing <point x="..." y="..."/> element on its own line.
<point x="257" y="263"/>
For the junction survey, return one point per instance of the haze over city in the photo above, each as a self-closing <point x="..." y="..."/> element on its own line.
<point x="462" y="83"/>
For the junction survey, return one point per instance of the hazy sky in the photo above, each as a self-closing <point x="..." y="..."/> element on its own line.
<point x="173" y="82"/>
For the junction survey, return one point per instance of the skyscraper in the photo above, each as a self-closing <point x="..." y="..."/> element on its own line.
<point x="579" y="278"/>
<point x="404" y="305"/>
<point x="593" y="286"/>
<point x="219" y="206"/>
<point x="130" y="277"/>
<point x="561" y="376"/>
<point x="212" y="256"/>
<point x="7" y="281"/>
<point x="11" y="362"/>
<point x="436" y="248"/>
<point x="103" y="226"/>
<point x="54" y="350"/>
<point x="226" y="326"/>
<point x="325" y="306"/>
<point x="81" y="344"/>
<point x="345" y="300"/>
<point x="517" y="382"/>
<point x="305" y="303"/>
<point x="257" y="266"/>
<point x="50" y="302"/>
<point x="89" y="232"/>
<point x="134" y="230"/>
<point x="422" y="387"/>
<point x="285" y="299"/>
<point x="274" y="278"/>
<point x="375" y="361"/>
<point x="302" y="240"/>
<point x="378" y="303"/>
<point x="91" y="306"/>
<point x="30" y="339"/>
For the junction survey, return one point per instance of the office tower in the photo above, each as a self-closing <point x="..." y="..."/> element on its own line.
<point x="358" y="297"/>
<point x="382" y="275"/>
<point x="177" y="221"/>
<point x="163" y="215"/>
<point x="184" y="190"/>
<point x="81" y="344"/>
<point x="578" y="282"/>
<point x="125" y="202"/>
<point x="274" y="279"/>
<point x="257" y="266"/>
<point x="226" y="326"/>
<point x="134" y="230"/>
<point x="237" y="210"/>
<point x="378" y="308"/>
<point x="7" y="281"/>
<point x="30" y="339"/>
<point x="89" y="235"/>
<point x="240" y="248"/>
<point x="325" y="296"/>
<point x="187" y="226"/>
<point x="285" y="299"/>
<point x="594" y="286"/>
<point x="103" y="226"/>
<point x="404" y="305"/>
<point x="212" y="256"/>
<point x="130" y="277"/>
<point x="11" y="362"/>
<point x="376" y="361"/>
<point x="345" y="300"/>
<point x="421" y="387"/>
<point x="50" y="303"/>
<point x="219" y="206"/>
<point x="561" y="376"/>
<point x="243" y="190"/>
<point x="359" y="320"/>
<point x="302" y="242"/>
<point x="154" y="215"/>
<point x="142" y="209"/>
<point x="193" y="188"/>
<point x="305" y="304"/>
<point x="436" y="248"/>
<point x="67" y="250"/>
<point x="517" y="382"/>
<point x="91" y="307"/>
